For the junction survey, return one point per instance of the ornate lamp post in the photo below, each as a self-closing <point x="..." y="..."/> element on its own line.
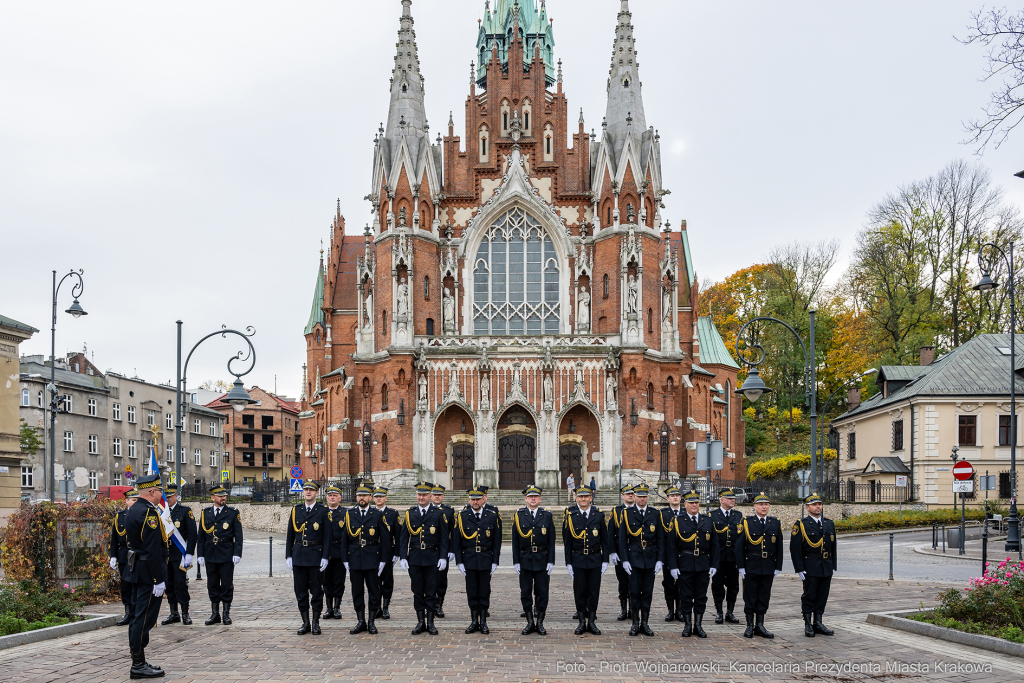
<point x="75" y="310"/>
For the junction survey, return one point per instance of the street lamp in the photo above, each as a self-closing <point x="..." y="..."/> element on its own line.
<point x="984" y="285"/>
<point x="75" y="310"/>
<point x="238" y="398"/>
<point x="753" y="386"/>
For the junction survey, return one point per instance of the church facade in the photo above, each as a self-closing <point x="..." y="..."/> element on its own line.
<point x="519" y="309"/>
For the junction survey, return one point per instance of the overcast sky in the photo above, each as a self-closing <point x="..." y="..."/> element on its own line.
<point x="188" y="155"/>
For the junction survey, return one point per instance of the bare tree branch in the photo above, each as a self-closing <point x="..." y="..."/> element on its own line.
<point x="1003" y="34"/>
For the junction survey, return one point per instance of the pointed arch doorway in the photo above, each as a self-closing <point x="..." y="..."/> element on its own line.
<point x="517" y="449"/>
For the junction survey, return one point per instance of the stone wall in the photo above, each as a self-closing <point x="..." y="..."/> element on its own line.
<point x="261" y="517"/>
<point x="788" y="514"/>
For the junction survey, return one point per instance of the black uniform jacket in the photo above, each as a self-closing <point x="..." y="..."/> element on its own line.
<point x="812" y="546"/>
<point x="692" y="548"/>
<point x="185" y="522"/>
<point x="641" y="538"/>
<point x="333" y="518"/>
<point x="309" y="535"/>
<point x="146" y="536"/>
<point x="759" y="550"/>
<point x="728" y="527"/>
<point x="365" y="539"/>
<point x="220" y="539"/>
<point x="118" y="547"/>
<point x="585" y="540"/>
<point x="614" y="522"/>
<point x="425" y="538"/>
<point x="668" y="515"/>
<point x="477" y="543"/>
<point x="393" y="518"/>
<point x="448" y="512"/>
<point x="533" y="539"/>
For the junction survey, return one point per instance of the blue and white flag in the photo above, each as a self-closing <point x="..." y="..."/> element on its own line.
<point x="165" y="511"/>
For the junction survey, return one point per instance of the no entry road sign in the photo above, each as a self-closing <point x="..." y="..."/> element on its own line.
<point x="963" y="470"/>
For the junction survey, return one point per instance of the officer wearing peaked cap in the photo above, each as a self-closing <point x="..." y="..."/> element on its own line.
<point x="477" y="545"/>
<point x="448" y="513"/>
<point x="366" y="547"/>
<point x="759" y="561"/>
<point x="692" y="554"/>
<point x="117" y="550"/>
<point x="621" y="577"/>
<point x="586" y="544"/>
<point x="219" y="549"/>
<point x="390" y="554"/>
<point x="812" y="547"/>
<point x="307" y="552"/>
<point x="725" y="584"/>
<point x="668" y="582"/>
<point x="334" y="575"/>
<point x="146" y="571"/>
<point x="177" y="564"/>
<point x="423" y="549"/>
<point x="642" y="549"/>
<point x="533" y="558"/>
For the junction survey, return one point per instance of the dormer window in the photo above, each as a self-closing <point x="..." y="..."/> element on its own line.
<point x="549" y="134"/>
<point x="625" y="83"/>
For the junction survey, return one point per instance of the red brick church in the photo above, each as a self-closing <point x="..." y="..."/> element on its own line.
<point x="519" y="308"/>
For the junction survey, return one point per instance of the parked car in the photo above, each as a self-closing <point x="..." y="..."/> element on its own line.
<point x="112" y="492"/>
<point x="241" y="490"/>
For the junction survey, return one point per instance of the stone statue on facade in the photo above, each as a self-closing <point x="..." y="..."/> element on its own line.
<point x="403" y="298"/>
<point x="368" y="318"/>
<point x="485" y="391"/>
<point x="448" y="311"/>
<point x="422" y="392"/>
<point x="583" y="309"/>
<point x="632" y="295"/>
<point x="609" y="393"/>
<point x="549" y="392"/>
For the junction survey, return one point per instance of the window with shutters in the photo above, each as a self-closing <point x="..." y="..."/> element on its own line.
<point x="851" y="446"/>
<point x="897" y="435"/>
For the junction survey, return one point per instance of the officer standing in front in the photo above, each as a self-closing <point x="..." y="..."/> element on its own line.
<point x="494" y="509"/>
<point x="693" y="556"/>
<point x="725" y="584"/>
<point x="366" y="546"/>
<point x="759" y="561"/>
<point x="586" y="545"/>
<point x="668" y="583"/>
<point x="477" y="545"/>
<point x="533" y="557"/>
<point x="146" y="571"/>
<point x="813" y="550"/>
<point x="641" y="547"/>
<point x="219" y="549"/>
<point x="334" y="575"/>
<point x="178" y="564"/>
<point x="117" y="549"/>
<point x="390" y="554"/>
<point x="423" y="549"/>
<point x="307" y="548"/>
<point x="621" y="577"/>
<point x="448" y="512"/>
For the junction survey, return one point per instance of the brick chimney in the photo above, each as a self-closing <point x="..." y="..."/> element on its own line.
<point x="927" y="355"/>
<point x="853" y="399"/>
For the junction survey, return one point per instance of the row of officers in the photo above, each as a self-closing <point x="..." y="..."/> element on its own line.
<point x="326" y="542"/>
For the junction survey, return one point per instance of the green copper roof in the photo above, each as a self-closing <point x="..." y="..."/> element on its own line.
<point x="689" y="259"/>
<point x="712" y="348"/>
<point x="316" y="314"/>
<point x="496" y="28"/>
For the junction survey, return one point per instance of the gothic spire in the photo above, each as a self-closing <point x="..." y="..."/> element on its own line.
<point x="407" y="114"/>
<point x="625" y="111"/>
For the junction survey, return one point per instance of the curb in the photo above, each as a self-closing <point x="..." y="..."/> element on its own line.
<point x="926" y="550"/>
<point x="886" y="532"/>
<point x="896" y="620"/>
<point x="91" y="622"/>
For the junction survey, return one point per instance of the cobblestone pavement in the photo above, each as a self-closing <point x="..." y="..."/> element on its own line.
<point x="261" y="645"/>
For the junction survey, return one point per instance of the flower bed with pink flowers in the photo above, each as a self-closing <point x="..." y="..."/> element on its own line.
<point x="991" y="605"/>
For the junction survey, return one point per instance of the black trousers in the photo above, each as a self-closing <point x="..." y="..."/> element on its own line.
<point x="815" y="594"/>
<point x="424" y="587"/>
<point x="177" y="585"/>
<point x="126" y="588"/>
<point x="220" y="581"/>
<point x="387" y="580"/>
<point x="309" y="588"/>
<point x="725" y="585"/>
<point x="334" y="578"/>
<point x="365" y="581"/>
<point x="693" y="591"/>
<point x="534" y="584"/>
<point x="586" y="588"/>
<point x="478" y="589"/>
<point x="641" y="590"/>
<point x="670" y="585"/>
<point x="623" y="580"/>
<point x="442" y="583"/>
<point x="145" y="611"/>
<point x="757" y="592"/>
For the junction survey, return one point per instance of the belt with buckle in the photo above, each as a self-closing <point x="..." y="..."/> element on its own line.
<point x="728" y="544"/>
<point x="478" y="549"/>
<point x="215" y="539"/>
<point x="764" y="554"/>
<point x="362" y="542"/>
<point x="586" y="551"/>
<point x="825" y="554"/>
<point x="696" y="552"/>
<point x="643" y="545"/>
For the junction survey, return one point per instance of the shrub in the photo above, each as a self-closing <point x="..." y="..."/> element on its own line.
<point x="871" y="521"/>
<point x="783" y="466"/>
<point x="24" y="606"/>
<point x="990" y="605"/>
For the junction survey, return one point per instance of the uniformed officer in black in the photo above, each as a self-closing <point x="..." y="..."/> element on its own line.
<point x="494" y="509"/>
<point x="668" y="583"/>
<point x="448" y="512"/>
<point x="390" y="554"/>
<point x="178" y="564"/>
<point x="621" y="577"/>
<point x="146" y="571"/>
<point x="813" y="550"/>
<point x="307" y="548"/>
<point x="366" y="546"/>
<point x="725" y="584"/>
<point x="533" y="557"/>
<point x="586" y="545"/>
<point x="477" y="545"/>
<point x="423" y="549"/>
<point x="759" y="561"/>
<point x="219" y="549"/>
<point x="334" y="575"/>
<point x="692" y="554"/>
<point x="117" y="549"/>
<point x="641" y="547"/>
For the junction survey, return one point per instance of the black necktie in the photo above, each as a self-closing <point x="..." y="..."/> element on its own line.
<point x="694" y="520"/>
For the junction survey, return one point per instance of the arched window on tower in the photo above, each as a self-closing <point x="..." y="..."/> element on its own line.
<point x="484" y="136"/>
<point x="650" y="447"/>
<point x="384" y="448"/>
<point x="606" y="285"/>
<point x="318" y="337"/>
<point x="384" y="321"/>
<point x="650" y="321"/>
<point x="426" y="287"/>
<point x="384" y="397"/>
<point x="549" y="147"/>
<point x="366" y="386"/>
<point x="527" y="110"/>
<point x="506" y="114"/>
<point x="650" y="396"/>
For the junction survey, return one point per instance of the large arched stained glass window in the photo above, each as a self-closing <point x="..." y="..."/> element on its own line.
<point x="515" y="279"/>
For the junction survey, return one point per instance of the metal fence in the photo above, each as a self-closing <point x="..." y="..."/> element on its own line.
<point x="788" y="491"/>
<point x="76" y="543"/>
<point x="270" y="491"/>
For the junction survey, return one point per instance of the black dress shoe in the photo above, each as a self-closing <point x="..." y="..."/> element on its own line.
<point x="141" y="670"/>
<point x="820" y="627"/>
<point x="360" y="623"/>
<point x="329" y="610"/>
<point x="531" y="626"/>
<point x="645" y="627"/>
<point x="635" y="628"/>
<point x="730" y="618"/>
<point x="215" y="617"/>
<point x="172" y="618"/>
<point x="483" y="623"/>
<point x="123" y="621"/>
<point x="185" y="618"/>
<point x="305" y="628"/>
<point x="759" y="628"/>
<point x="687" y="627"/>
<point x="474" y="625"/>
<point x="697" y="629"/>
<point x="582" y="627"/>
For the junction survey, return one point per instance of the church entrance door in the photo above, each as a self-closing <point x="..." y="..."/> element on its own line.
<point x="517" y="461"/>
<point x="463" y="464"/>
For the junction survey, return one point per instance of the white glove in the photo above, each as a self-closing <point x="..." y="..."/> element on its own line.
<point x="627" y="567"/>
<point x="712" y="572"/>
<point x="614" y="559"/>
<point x="113" y="563"/>
<point x="568" y="568"/>
<point x="188" y="561"/>
<point x="462" y="568"/>
<point x="202" y="562"/>
<point x="834" y="571"/>
<point x="493" y="568"/>
<point x="451" y="557"/>
<point x="346" y="565"/>
<point x="516" y="567"/>
<point x="550" y="567"/>
<point x="288" y="561"/>
<point x="802" y="575"/>
<point x="235" y="559"/>
<point x="394" y="560"/>
<point x="743" y="572"/>
<point x="158" y="590"/>
<point x="657" y="567"/>
<point x="441" y="564"/>
<point x="674" y="573"/>
<point x="380" y="569"/>
<point x="777" y="572"/>
<point x="404" y="564"/>
<point x="323" y="564"/>
<point x="604" y="568"/>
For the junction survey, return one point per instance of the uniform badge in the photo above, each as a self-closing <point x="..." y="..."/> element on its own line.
<point x="152" y="523"/>
<point x="833" y="537"/>
<point x="707" y="537"/>
<point x="190" y="515"/>
<point x="225" y="526"/>
<point x="544" y="530"/>
<point x="341" y="524"/>
<point x="652" y="528"/>
<point x="433" y="529"/>
<point x="177" y="525"/>
<point x="316" y="526"/>
<point x="488" y="532"/>
<point x="372" y="531"/>
<point x="594" y="531"/>
<point x="796" y="530"/>
<point x="773" y="538"/>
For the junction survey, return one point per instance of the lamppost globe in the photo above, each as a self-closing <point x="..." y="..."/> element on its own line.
<point x="76" y="310"/>
<point x="753" y="386"/>
<point x="985" y="284"/>
<point x="238" y="397"/>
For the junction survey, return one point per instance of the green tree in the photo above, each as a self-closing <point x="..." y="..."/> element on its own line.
<point x="30" y="441"/>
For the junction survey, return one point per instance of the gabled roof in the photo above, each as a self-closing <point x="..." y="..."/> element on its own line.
<point x="12" y="323"/>
<point x="712" y="349"/>
<point x="901" y="372"/>
<point x="698" y="370"/>
<point x="346" y="291"/>
<point x="316" y="314"/>
<point x="887" y="465"/>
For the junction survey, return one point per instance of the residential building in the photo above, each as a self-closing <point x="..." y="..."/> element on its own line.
<point x="262" y="442"/>
<point x="12" y="333"/>
<point x="923" y="411"/>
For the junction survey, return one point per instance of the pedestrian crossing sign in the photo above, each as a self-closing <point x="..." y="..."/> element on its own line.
<point x="296" y="486"/>
<point x="225" y="475"/>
